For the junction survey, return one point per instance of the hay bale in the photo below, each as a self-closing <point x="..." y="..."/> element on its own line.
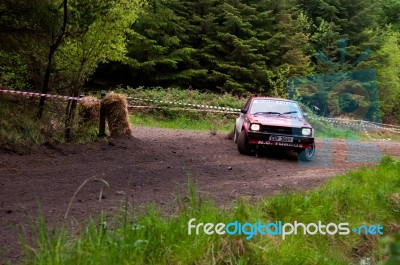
<point x="116" y="107"/>
<point x="89" y="110"/>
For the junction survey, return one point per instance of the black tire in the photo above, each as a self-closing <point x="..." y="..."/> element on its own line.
<point x="243" y="144"/>
<point x="307" y="155"/>
<point x="235" y="135"/>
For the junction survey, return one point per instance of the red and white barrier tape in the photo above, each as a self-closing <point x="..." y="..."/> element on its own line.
<point x="372" y="138"/>
<point x="33" y="94"/>
<point x="189" y="105"/>
<point x="212" y="109"/>
<point x="188" y="109"/>
<point x="360" y="124"/>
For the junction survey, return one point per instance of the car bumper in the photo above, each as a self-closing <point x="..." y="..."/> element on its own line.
<point x="299" y="142"/>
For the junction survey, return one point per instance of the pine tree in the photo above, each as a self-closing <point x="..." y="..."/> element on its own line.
<point x="357" y="21"/>
<point x="157" y="51"/>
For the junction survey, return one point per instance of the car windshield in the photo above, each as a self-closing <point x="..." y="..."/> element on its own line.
<point x="275" y="107"/>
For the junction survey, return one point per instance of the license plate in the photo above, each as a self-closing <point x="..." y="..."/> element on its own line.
<point x="278" y="138"/>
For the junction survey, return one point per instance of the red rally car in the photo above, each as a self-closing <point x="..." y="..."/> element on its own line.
<point x="274" y="122"/>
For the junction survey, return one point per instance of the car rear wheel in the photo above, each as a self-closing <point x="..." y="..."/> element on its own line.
<point x="307" y="154"/>
<point x="243" y="144"/>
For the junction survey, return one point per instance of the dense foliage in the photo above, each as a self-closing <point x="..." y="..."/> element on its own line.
<point x="248" y="46"/>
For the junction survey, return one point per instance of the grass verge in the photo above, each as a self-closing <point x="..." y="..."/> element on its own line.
<point x="185" y="96"/>
<point x="21" y="129"/>
<point x="183" y="120"/>
<point x="361" y="197"/>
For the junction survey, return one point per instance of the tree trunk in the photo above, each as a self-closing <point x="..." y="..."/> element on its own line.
<point x="70" y="112"/>
<point x="53" y="48"/>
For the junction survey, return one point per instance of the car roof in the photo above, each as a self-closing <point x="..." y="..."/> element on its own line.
<point x="271" y="98"/>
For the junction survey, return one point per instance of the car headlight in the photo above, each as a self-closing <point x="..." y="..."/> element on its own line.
<point x="306" y="131"/>
<point x="255" y="127"/>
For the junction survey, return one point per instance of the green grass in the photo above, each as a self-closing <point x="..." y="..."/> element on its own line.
<point x="365" y="196"/>
<point x="186" y="96"/>
<point x="184" y="121"/>
<point x="324" y="129"/>
<point x="173" y="118"/>
<point x="20" y="127"/>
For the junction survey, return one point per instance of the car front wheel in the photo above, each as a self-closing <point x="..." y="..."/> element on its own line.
<point x="307" y="154"/>
<point x="243" y="144"/>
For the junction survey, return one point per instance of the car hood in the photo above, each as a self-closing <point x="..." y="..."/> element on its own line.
<point x="274" y="120"/>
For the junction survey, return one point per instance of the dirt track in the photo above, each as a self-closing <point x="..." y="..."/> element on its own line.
<point x="155" y="167"/>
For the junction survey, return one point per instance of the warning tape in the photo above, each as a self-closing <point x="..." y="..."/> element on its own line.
<point x="375" y="139"/>
<point x="355" y="123"/>
<point x="180" y="104"/>
<point x="369" y="124"/>
<point x="33" y="94"/>
<point x="358" y="124"/>
<point x="385" y="125"/>
<point x="361" y="124"/>
<point x="187" y="109"/>
<point x="212" y="109"/>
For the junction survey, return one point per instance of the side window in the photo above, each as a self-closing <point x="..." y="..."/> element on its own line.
<point x="247" y="106"/>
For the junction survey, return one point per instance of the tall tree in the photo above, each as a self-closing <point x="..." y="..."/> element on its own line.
<point x="97" y="33"/>
<point x="387" y="63"/>
<point x="27" y="29"/>
<point x="391" y="11"/>
<point x="68" y="40"/>
<point x="219" y="45"/>
<point x="289" y="44"/>
<point x="56" y="40"/>
<point x="356" y="20"/>
<point x="157" y="50"/>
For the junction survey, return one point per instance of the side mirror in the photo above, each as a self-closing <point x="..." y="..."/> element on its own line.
<point x="305" y="115"/>
<point x="244" y="111"/>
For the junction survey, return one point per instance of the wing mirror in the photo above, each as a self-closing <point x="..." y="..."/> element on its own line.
<point x="305" y="115"/>
<point x="244" y="111"/>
